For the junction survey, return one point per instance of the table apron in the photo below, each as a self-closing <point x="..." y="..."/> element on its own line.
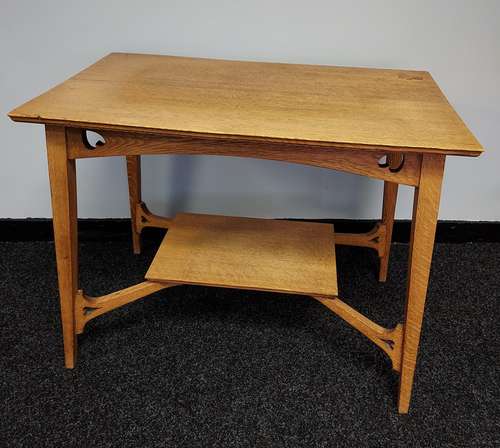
<point x="388" y="165"/>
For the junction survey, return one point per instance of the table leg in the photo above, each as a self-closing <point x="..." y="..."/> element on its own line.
<point x="62" y="174"/>
<point x="425" y="213"/>
<point x="134" y="192"/>
<point x="388" y="210"/>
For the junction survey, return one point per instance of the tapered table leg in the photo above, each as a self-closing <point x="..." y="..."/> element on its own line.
<point x="425" y="213"/>
<point x="388" y="210"/>
<point x="62" y="174"/>
<point x="134" y="192"/>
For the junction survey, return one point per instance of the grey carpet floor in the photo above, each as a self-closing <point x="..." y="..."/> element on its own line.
<point x="206" y="367"/>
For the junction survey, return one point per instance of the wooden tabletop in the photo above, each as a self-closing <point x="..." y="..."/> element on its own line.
<point x="349" y="107"/>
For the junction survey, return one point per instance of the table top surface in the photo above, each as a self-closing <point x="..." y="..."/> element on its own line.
<point x="348" y="107"/>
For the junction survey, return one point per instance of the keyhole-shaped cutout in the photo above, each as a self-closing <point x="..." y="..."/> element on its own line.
<point x="394" y="162"/>
<point x="382" y="162"/>
<point x="92" y="139"/>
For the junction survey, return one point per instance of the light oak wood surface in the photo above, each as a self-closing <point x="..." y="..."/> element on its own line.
<point x="425" y="214"/>
<point x="62" y="175"/>
<point x="134" y="194"/>
<point x="88" y="308"/>
<point x="357" y="107"/>
<point x="248" y="253"/>
<point x="388" y="212"/>
<point x="335" y="117"/>
<point x="364" y="162"/>
<point x="388" y="339"/>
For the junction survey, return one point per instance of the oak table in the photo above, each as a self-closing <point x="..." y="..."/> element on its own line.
<point x="392" y="125"/>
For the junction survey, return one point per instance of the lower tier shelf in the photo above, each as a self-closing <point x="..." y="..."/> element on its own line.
<point x="248" y="253"/>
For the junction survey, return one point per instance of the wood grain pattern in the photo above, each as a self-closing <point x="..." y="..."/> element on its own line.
<point x="332" y="117"/>
<point x="88" y="308"/>
<point x="388" y="211"/>
<point x="62" y="175"/>
<point x="374" y="239"/>
<point x="425" y="214"/>
<point x="388" y="339"/>
<point x="147" y="219"/>
<point x="134" y="194"/>
<point x="361" y="107"/>
<point x="365" y="163"/>
<point x="248" y="253"/>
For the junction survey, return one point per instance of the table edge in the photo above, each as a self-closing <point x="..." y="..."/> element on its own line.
<point x="257" y="139"/>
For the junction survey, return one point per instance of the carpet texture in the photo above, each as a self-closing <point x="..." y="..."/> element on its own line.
<point x="206" y="367"/>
